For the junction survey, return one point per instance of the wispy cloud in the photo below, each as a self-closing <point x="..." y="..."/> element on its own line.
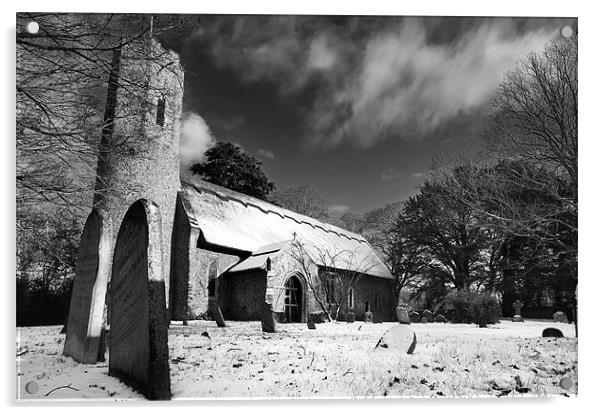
<point x="418" y="175"/>
<point x="391" y="173"/>
<point x="376" y="77"/>
<point x="195" y="139"/>
<point x="265" y="153"/>
<point x="337" y="210"/>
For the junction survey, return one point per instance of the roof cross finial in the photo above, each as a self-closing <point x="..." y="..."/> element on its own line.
<point x="294" y="236"/>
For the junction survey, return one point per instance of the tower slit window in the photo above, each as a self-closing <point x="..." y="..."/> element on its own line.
<point x="161" y="111"/>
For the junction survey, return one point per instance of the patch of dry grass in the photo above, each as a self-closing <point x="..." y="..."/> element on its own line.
<point x="335" y="360"/>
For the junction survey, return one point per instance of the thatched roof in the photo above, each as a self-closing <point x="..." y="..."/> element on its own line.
<point x="232" y="220"/>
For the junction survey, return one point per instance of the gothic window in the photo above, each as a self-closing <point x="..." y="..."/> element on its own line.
<point x="161" y="111"/>
<point x="350" y="299"/>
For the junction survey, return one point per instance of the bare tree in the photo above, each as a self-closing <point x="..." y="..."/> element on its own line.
<point x="303" y="199"/>
<point x="330" y="273"/>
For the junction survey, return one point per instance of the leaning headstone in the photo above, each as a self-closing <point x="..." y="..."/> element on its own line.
<point x="428" y="314"/>
<point x="400" y="337"/>
<point x="85" y="326"/>
<point x="402" y="315"/>
<point x="414" y="317"/>
<point x="350" y="317"/>
<point x="440" y="318"/>
<point x="517" y="317"/>
<point x="139" y="355"/>
<point x="368" y="317"/>
<point x="268" y="324"/>
<point x="216" y="313"/>
<point x="551" y="332"/>
<point x="560" y="317"/>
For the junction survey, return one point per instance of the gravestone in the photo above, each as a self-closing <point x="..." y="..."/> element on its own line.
<point x="400" y="337"/>
<point x="428" y="314"/>
<point x="350" y="316"/>
<point x="368" y="317"/>
<point x="402" y="315"/>
<point x="424" y="320"/>
<point x="414" y="317"/>
<point x="216" y="313"/>
<point x="440" y="318"/>
<point x="517" y="306"/>
<point x="317" y="317"/>
<point x="85" y="326"/>
<point x="268" y="324"/>
<point x="551" y="332"/>
<point x="139" y="355"/>
<point x="310" y="323"/>
<point x="560" y="317"/>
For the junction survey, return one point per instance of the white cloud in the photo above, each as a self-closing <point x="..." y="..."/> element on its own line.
<point x="404" y="83"/>
<point x="265" y="153"/>
<point x="195" y="139"/>
<point x="321" y="55"/>
<point x="391" y="173"/>
<point x="377" y="77"/>
<point x="418" y="175"/>
<point x="338" y="209"/>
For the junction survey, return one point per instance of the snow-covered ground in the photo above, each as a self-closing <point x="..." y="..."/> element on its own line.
<point x="335" y="360"/>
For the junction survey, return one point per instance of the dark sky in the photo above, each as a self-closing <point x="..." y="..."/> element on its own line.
<point x="355" y="106"/>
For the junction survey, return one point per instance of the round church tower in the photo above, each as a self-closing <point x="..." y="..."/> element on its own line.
<point x="139" y="149"/>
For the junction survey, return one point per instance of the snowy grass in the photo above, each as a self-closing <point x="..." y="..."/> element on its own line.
<point x="335" y="360"/>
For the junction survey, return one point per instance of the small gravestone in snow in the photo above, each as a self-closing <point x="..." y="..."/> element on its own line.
<point x="350" y="317"/>
<point x="402" y="315"/>
<point x="368" y="317"/>
<point x="551" y="332"/>
<point x="310" y="323"/>
<point x="414" y="317"/>
<point x="428" y="314"/>
<point x="216" y="313"/>
<point x="400" y="337"/>
<point x="440" y="318"/>
<point x="517" y="306"/>
<point x="268" y="324"/>
<point x="560" y="317"/>
<point x="423" y="320"/>
<point x="317" y="317"/>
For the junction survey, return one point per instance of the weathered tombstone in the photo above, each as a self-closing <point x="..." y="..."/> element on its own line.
<point x="310" y="323"/>
<point x="428" y="314"/>
<point x="517" y="306"/>
<point x="268" y="324"/>
<point x="440" y="318"/>
<point x="402" y="315"/>
<point x="399" y="337"/>
<point x="216" y="313"/>
<point x="85" y="326"/>
<point x="560" y="317"/>
<point x="414" y="317"/>
<point x="139" y="355"/>
<point x="350" y="317"/>
<point x="423" y="320"/>
<point x="317" y="317"/>
<point x="368" y="317"/>
<point x="551" y="332"/>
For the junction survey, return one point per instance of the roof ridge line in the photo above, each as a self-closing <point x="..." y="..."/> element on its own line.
<point x="282" y="215"/>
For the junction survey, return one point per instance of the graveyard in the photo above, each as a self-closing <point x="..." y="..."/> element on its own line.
<point x="335" y="360"/>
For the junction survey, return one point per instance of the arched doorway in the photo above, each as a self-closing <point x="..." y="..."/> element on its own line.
<point x="293" y="300"/>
